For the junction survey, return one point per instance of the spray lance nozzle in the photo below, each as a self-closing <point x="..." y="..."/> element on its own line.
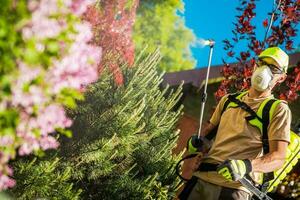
<point x="211" y="42"/>
<point x="202" y="43"/>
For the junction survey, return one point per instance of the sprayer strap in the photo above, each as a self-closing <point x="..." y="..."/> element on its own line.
<point x="178" y="165"/>
<point x="206" y="167"/>
<point x="213" y="133"/>
<point x="265" y="140"/>
<point x="245" y="107"/>
<point x="227" y="102"/>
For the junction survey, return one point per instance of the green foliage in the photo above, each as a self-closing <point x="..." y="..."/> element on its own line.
<point x="158" y="25"/>
<point x="68" y="97"/>
<point x="4" y="196"/>
<point x="9" y="37"/>
<point x="43" y="179"/>
<point x="124" y="136"/>
<point x="10" y="50"/>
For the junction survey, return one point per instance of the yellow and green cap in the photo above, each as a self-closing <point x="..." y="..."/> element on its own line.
<point x="278" y="55"/>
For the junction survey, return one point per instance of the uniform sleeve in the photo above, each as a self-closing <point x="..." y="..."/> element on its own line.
<point x="215" y="119"/>
<point x="280" y="125"/>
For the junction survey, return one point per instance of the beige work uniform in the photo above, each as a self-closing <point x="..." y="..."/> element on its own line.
<point x="237" y="139"/>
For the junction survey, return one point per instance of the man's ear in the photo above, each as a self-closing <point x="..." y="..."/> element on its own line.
<point x="282" y="78"/>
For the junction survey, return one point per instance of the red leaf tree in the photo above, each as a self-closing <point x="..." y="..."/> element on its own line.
<point x="113" y="22"/>
<point x="280" y="29"/>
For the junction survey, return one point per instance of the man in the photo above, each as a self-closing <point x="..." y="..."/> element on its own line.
<point x="238" y="149"/>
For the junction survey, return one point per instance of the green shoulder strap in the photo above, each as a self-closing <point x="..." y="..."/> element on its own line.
<point x="228" y="103"/>
<point x="238" y="95"/>
<point x="267" y="109"/>
<point x="267" y="113"/>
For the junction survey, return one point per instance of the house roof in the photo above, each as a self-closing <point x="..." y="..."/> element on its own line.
<point x="197" y="76"/>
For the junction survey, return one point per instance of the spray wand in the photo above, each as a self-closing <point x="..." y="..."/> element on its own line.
<point x="211" y="44"/>
<point x="195" y="143"/>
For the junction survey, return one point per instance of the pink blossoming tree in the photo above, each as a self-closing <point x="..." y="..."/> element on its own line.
<point x="52" y="63"/>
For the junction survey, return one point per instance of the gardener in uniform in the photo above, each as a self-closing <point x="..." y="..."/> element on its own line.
<point x="237" y="148"/>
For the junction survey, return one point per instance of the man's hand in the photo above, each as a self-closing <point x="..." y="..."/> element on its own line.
<point x="197" y="161"/>
<point x="194" y="144"/>
<point x="235" y="170"/>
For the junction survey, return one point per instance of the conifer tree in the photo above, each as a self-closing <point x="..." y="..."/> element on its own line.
<point x="43" y="178"/>
<point x="124" y="136"/>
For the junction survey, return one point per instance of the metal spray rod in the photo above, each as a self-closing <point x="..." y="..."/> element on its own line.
<point x="211" y="44"/>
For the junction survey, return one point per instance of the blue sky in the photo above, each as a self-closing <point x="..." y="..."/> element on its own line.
<point x="213" y="19"/>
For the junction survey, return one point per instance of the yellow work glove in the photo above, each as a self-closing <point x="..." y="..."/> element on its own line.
<point x="194" y="144"/>
<point x="235" y="170"/>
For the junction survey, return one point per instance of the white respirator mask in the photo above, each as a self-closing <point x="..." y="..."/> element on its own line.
<point x="261" y="78"/>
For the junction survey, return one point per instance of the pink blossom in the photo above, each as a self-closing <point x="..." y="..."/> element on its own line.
<point x="78" y="7"/>
<point x="48" y="7"/>
<point x="51" y="117"/>
<point x="48" y="118"/>
<point x="28" y="147"/>
<point x="76" y="69"/>
<point x="27" y="33"/>
<point x="48" y="142"/>
<point x="9" y="170"/>
<point x="27" y="99"/>
<point x="35" y="94"/>
<point x="6" y="140"/>
<point x="32" y="5"/>
<point x="26" y="73"/>
<point x="43" y="27"/>
<point x="84" y="32"/>
<point x="6" y="182"/>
